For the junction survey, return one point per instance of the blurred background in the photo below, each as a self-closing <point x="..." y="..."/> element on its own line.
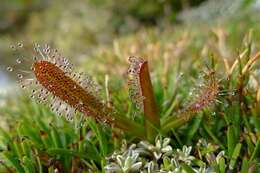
<point x="80" y="27"/>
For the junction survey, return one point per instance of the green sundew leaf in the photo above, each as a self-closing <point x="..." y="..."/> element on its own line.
<point x="193" y="127"/>
<point x="234" y="156"/>
<point x="14" y="161"/>
<point x="256" y="152"/>
<point x="245" y="166"/>
<point x="152" y="117"/>
<point x="187" y="168"/>
<point x="103" y="144"/>
<point x="28" y="165"/>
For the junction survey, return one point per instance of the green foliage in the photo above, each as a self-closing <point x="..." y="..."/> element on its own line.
<point x="44" y="142"/>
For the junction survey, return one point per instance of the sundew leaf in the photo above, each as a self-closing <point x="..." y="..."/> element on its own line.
<point x="150" y="108"/>
<point x="143" y="95"/>
<point x="205" y="96"/>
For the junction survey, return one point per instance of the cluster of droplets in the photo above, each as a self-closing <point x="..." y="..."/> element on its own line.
<point x="18" y="60"/>
<point x="133" y="72"/>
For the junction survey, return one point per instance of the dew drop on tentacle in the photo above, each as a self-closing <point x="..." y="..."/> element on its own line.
<point x="20" y="45"/>
<point x="10" y="69"/>
<point x="20" y="76"/>
<point x="18" y="61"/>
<point x="13" y="47"/>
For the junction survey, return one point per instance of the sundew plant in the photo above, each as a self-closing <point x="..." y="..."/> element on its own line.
<point x="220" y="107"/>
<point x="53" y="81"/>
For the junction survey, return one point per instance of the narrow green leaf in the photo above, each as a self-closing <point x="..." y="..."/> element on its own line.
<point x="17" y="149"/>
<point x="194" y="127"/>
<point x="245" y="166"/>
<point x="92" y="152"/>
<point x="14" y="161"/>
<point x="56" y="138"/>
<point x="235" y="155"/>
<point x="103" y="144"/>
<point x="256" y="151"/>
<point x="62" y="151"/>
<point x="250" y="145"/>
<point x="187" y="168"/>
<point x="38" y="161"/>
<point x="212" y="135"/>
<point x="129" y="126"/>
<point x="222" y="165"/>
<point x="32" y="133"/>
<point x="28" y="165"/>
<point x="26" y="149"/>
<point x="231" y="141"/>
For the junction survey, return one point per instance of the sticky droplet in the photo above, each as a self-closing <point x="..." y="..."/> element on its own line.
<point x="12" y="47"/>
<point x="18" y="60"/>
<point x="20" y="76"/>
<point x="9" y="69"/>
<point x="20" y="45"/>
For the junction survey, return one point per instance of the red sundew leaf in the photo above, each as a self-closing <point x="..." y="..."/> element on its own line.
<point x="144" y="93"/>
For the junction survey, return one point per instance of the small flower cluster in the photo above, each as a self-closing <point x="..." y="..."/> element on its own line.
<point x="148" y="158"/>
